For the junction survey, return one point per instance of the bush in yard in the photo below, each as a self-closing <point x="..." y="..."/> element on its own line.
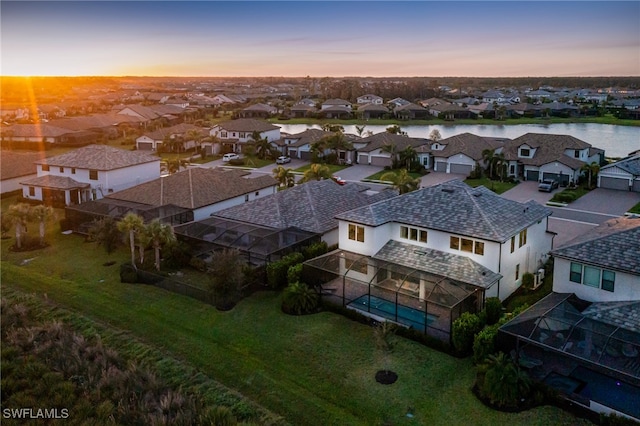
<point x="277" y="271"/>
<point x="484" y="344"/>
<point x="464" y="330"/>
<point x="502" y="383"/>
<point x="236" y="162"/>
<point x="299" y="299"/>
<point x="527" y="280"/>
<point x="315" y="250"/>
<point x="493" y="310"/>
<point x="128" y="274"/>
<point x="294" y="272"/>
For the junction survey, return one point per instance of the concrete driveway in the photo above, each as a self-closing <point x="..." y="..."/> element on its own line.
<point x="357" y="172"/>
<point x="528" y="190"/>
<point x="607" y="201"/>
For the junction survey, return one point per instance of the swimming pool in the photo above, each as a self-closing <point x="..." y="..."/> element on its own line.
<point x="383" y="308"/>
<point x="608" y="391"/>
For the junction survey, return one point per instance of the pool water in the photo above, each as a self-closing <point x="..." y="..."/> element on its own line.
<point x="383" y="308"/>
<point x="564" y="384"/>
<point x="608" y="391"/>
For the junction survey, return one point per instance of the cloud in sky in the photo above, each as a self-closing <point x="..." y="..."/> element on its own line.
<point x="323" y="38"/>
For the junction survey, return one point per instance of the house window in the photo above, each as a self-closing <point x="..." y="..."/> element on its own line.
<point x="608" y="280"/>
<point x="517" y="272"/>
<point x="93" y="174"/>
<point x="523" y="238"/>
<point x="61" y="169"/>
<point x="591" y="277"/>
<point x="576" y="153"/>
<point x="513" y="244"/>
<point x="413" y="234"/>
<point x="454" y="243"/>
<point x="525" y="152"/>
<point x="73" y="171"/>
<point x="257" y="193"/>
<point x="467" y="245"/>
<point x="423" y="236"/>
<point x="575" y="274"/>
<point x="246" y="197"/>
<point x="356" y="233"/>
<point x="223" y="135"/>
<point x="45" y="167"/>
<point x="404" y="232"/>
<point x="32" y="191"/>
<point x="478" y="248"/>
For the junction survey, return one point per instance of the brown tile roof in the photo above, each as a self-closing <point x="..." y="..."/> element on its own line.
<point x="468" y="144"/>
<point x="178" y="129"/>
<point x="247" y="125"/>
<point x="309" y="136"/>
<point x="35" y="130"/>
<point x="16" y="164"/>
<point x="99" y="157"/>
<point x="549" y="148"/>
<point x="55" y="182"/>
<point x="94" y="121"/>
<point x="195" y="187"/>
<point x="385" y="138"/>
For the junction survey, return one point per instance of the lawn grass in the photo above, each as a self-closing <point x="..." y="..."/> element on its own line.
<point x="378" y="175"/>
<point x="333" y="168"/>
<point x="635" y="209"/>
<point x="494" y="185"/>
<point x="313" y="370"/>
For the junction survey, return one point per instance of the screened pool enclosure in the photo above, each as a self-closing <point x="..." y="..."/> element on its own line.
<point x="384" y="290"/>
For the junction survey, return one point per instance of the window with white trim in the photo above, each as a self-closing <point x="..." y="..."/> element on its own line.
<point x="592" y="276"/>
<point x="466" y="244"/>
<point x="356" y="233"/>
<point x="413" y="234"/>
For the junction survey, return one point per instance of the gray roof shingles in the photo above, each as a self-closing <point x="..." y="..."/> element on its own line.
<point x="99" y="157"/>
<point x="630" y="165"/>
<point x="613" y="245"/>
<point x="455" y="267"/>
<point x="456" y="208"/>
<point x="311" y="206"/>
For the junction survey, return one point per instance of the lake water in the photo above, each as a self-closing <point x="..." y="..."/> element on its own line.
<point x="617" y="141"/>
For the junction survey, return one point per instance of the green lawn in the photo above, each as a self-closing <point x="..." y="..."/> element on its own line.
<point x="635" y="209"/>
<point x="377" y="176"/>
<point x="494" y="185"/>
<point x="569" y="195"/>
<point x="313" y="370"/>
<point x="333" y="168"/>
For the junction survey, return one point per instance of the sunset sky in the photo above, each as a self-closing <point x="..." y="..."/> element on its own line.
<point x="321" y="38"/>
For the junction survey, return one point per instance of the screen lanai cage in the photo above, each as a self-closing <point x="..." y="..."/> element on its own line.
<point x="258" y="244"/>
<point x="80" y="217"/>
<point x="562" y="327"/>
<point x="386" y="291"/>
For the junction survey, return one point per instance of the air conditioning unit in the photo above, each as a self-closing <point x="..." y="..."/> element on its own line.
<point x="539" y="278"/>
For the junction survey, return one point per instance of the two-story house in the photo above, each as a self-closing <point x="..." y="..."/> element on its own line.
<point x="152" y="141"/>
<point x="369" y="99"/>
<point x="336" y="108"/>
<point x="431" y="254"/>
<point x="537" y="156"/>
<point x="379" y="149"/>
<point x="235" y="133"/>
<point x="298" y="145"/>
<point x="623" y="175"/>
<point x="89" y="173"/>
<point x="461" y="154"/>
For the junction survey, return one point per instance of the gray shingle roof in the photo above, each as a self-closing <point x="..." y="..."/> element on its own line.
<point x="620" y="314"/>
<point x="16" y="164"/>
<point x="55" y="182"/>
<point x="311" y="206"/>
<point x="459" y="268"/>
<point x="195" y="188"/>
<point x="613" y="245"/>
<point x="247" y="125"/>
<point x="99" y="157"/>
<point x="630" y="165"/>
<point x="468" y="144"/>
<point x="309" y="136"/>
<point x="456" y="208"/>
<point x="385" y="138"/>
<point x="549" y="148"/>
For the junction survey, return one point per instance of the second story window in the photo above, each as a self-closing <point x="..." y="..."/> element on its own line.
<point x="525" y="152"/>
<point x="523" y="238"/>
<point x="576" y="153"/>
<point x="93" y="174"/>
<point x="45" y="167"/>
<point x="73" y="171"/>
<point x="413" y="234"/>
<point x="356" y="233"/>
<point x="61" y="169"/>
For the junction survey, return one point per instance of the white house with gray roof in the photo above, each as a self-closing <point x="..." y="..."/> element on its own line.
<point x="602" y="265"/>
<point x="494" y="240"/>
<point x="89" y="173"/>
<point x="236" y="133"/>
<point x="623" y="175"/>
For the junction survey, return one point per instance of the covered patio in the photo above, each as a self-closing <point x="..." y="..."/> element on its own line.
<point x="414" y="297"/>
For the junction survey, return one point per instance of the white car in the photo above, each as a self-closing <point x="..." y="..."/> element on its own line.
<point x="230" y="156"/>
<point x="283" y="159"/>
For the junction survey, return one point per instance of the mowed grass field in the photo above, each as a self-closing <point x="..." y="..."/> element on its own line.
<point x="312" y="370"/>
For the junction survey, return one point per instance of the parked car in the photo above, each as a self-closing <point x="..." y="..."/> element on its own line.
<point x="548" y="185"/>
<point x="283" y="159"/>
<point x="230" y="156"/>
<point x="338" y="180"/>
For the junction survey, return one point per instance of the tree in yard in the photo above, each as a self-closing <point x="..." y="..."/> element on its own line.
<point x="504" y="383"/>
<point x="435" y="135"/>
<point x="105" y="232"/>
<point x="500" y="165"/>
<point x="402" y="181"/>
<point x="227" y="277"/>
<point x="488" y="156"/>
<point x="316" y="172"/>
<point x="159" y="234"/>
<point x="19" y="214"/>
<point x="393" y="150"/>
<point x="408" y="157"/>
<point x="284" y="176"/>
<point x="262" y="146"/>
<point x="395" y="130"/>
<point x="131" y="224"/>
<point x="196" y="136"/>
<point x="6" y="224"/>
<point x="174" y="165"/>
<point x="328" y="127"/>
<point x="42" y="214"/>
<point x="336" y="143"/>
<point x="592" y="170"/>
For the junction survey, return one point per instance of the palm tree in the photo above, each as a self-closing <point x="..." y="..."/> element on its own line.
<point x="263" y="147"/>
<point x="394" y="130"/>
<point x="504" y="382"/>
<point x="337" y="142"/>
<point x="488" y="156"/>
<point x="408" y="157"/>
<point x="105" y="232"/>
<point x="20" y="214"/>
<point x="174" y="165"/>
<point x="43" y="214"/>
<point x="316" y="172"/>
<point x="402" y="181"/>
<point x="393" y="150"/>
<point x="500" y="165"/>
<point x="196" y="136"/>
<point x="284" y="176"/>
<point x="159" y="234"/>
<point x="360" y="129"/>
<point x="130" y="225"/>
<point x="592" y="169"/>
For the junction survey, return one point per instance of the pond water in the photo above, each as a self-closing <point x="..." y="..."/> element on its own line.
<point x="617" y="141"/>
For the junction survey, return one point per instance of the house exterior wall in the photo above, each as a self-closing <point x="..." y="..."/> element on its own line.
<point x="626" y="286"/>
<point x="583" y="154"/>
<point x="558" y="168"/>
<point x="206" y="211"/>
<point x="223" y="134"/>
<point x="332" y="237"/>
<point x="374" y="238"/>
<point x="13" y="184"/>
